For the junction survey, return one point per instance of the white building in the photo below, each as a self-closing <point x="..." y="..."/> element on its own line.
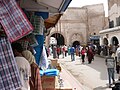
<point x="112" y="34"/>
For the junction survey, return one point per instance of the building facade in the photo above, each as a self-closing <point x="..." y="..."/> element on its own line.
<point x="78" y="25"/>
<point x="111" y="35"/>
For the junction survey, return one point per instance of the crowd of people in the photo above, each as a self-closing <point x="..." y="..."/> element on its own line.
<point x="111" y="53"/>
<point x="81" y="51"/>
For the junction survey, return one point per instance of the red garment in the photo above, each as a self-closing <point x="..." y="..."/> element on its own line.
<point x="83" y="52"/>
<point x="35" y="82"/>
<point x="63" y="49"/>
<point x="90" y="55"/>
<point x="58" y="50"/>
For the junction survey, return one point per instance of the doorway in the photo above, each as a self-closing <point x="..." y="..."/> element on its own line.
<point x="59" y="38"/>
<point x="115" y="41"/>
<point x="75" y="43"/>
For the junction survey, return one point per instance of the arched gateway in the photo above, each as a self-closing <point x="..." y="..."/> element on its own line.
<point x="75" y="43"/>
<point x="105" y="41"/>
<point x="114" y="41"/>
<point x="59" y="38"/>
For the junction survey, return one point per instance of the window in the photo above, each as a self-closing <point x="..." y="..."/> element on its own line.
<point x="111" y="24"/>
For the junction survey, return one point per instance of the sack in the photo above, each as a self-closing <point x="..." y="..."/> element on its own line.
<point x="117" y="86"/>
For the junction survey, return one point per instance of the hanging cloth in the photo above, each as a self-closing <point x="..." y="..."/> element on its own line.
<point x="38" y="23"/>
<point x="44" y="60"/>
<point x="39" y="48"/>
<point x="13" y="20"/>
<point x="9" y="74"/>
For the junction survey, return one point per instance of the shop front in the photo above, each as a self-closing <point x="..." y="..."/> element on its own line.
<point x="23" y="22"/>
<point x="95" y="39"/>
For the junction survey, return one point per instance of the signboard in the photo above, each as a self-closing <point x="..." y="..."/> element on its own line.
<point x="94" y="37"/>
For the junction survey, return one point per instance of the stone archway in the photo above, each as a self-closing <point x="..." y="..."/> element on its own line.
<point x="105" y="41"/>
<point x="114" y="41"/>
<point x="59" y="37"/>
<point x="75" y="43"/>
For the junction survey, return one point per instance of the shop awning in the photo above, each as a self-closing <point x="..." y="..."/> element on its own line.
<point x="56" y="7"/>
<point x="51" y="6"/>
<point x="52" y="20"/>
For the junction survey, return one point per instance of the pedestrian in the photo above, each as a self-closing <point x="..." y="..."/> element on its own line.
<point x="79" y="49"/>
<point x="118" y="62"/>
<point x="90" y="54"/>
<point x="65" y="50"/>
<point x="23" y="65"/>
<point x="110" y="63"/>
<point x="77" y="52"/>
<point x="54" y="52"/>
<point x="58" y="51"/>
<point x="35" y="80"/>
<point x="83" y="51"/>
<point x="72" y="51"/>
<point x="69" y="50"/>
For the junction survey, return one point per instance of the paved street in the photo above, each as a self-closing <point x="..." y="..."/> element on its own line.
<point x="93" y="76"/>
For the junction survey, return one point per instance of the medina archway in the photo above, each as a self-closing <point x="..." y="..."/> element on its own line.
<point x="75" y="43"/>
<point x="105" y="41"/>
<point x="60" y="39"/>
<point x="114" y="41"/>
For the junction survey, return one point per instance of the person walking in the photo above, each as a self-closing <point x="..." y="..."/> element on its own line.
<point x="65" y="50"/>
<point x="58" y="51"/>
<point x="83" y="51"/>
<point x="110" y="63"/>
<point x="118" y="61"/>
<point x="90" y="55"/>
<point x="72" y="51"/>
<point x="68" y="50"/>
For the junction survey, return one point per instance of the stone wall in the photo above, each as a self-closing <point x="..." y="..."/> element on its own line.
<point x="77" y="24"/>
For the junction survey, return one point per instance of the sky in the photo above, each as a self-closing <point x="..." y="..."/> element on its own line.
<point x="80" y="3"/>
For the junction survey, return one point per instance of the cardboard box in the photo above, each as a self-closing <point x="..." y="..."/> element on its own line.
<point x="48" y="82"/>
<point x="54" y="62"/>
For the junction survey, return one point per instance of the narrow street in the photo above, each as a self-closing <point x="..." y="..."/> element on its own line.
<point x="90" y="76"/>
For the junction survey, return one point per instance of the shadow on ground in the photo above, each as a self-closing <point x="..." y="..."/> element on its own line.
<point x="100" y="88"/>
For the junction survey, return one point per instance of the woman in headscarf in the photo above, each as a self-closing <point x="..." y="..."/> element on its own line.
<point x="90" y="55"/>
<point x="35" y="81"/>
<point x="28" y="55"/>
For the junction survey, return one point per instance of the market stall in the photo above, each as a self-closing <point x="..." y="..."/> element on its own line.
<point x="22" y="21"/>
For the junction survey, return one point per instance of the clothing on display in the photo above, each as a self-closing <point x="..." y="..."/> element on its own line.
<point x="35" y="78"/>
<point x="13" y="20"/>
<point x="38" y="49"/>
<point x="24" y="44"/>
<point x="38" y="24"/>
<point x="44" y="60"/>
<point x="9" y="74"/>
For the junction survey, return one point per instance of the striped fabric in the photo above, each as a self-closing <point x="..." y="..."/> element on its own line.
<point x="38" y="24"/>
<point x="9" y="74"/>
<point x="13" y="20"/>
<point x="24" y="44"/>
